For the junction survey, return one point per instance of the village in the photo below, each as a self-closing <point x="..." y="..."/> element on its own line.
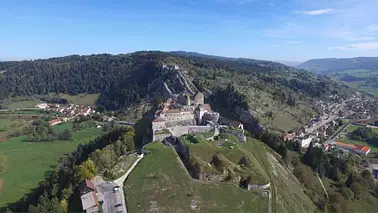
<point x="65" y="112"/>
<point x="330" y="125"/>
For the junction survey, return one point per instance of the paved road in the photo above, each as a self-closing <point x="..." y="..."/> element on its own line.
<point x="109" y="197"/>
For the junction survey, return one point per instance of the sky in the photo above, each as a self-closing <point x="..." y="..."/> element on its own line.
<point x="290" y="30"/>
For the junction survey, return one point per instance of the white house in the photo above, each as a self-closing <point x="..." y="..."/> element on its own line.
<point x="305" y="142"/>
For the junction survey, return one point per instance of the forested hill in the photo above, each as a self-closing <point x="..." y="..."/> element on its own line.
<point x="340" y="64"/>
<point x="123" y="80"/>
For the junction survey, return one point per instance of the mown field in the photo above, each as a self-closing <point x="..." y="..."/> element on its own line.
<point x="81" y="99"/>
<point x="28" y="163"/>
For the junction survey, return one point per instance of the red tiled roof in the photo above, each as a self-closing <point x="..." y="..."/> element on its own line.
<point x="351" y="146"/>
<point x="54" y="121"/>
<point x="90" y="184"/>
<point x="289" y="136"/>
<point x="158" y="119"/>
<point x="235" y="124"/>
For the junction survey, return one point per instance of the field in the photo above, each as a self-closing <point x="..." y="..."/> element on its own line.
<point x="28" y="163"/>
<point x="9" y="125"/>
<point x="359" y="79"/>
<point x="22" y="104"/>
<point x="81" y="99"/>
<point x="161" y="184"/>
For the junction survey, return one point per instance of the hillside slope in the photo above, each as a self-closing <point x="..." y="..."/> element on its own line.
<point x="359" y="73"/>
<point x="340" y="64"/>
<point x="160" y="183"/>
<point x="278" y="95"/>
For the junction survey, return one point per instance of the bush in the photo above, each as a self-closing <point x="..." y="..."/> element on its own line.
<point x="358" y="190"/>
<point x="347" y="193"/>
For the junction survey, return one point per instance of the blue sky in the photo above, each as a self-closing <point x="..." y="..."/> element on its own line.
<point x="294" y="30"/>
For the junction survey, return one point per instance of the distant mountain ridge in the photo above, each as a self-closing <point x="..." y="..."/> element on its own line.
<point x="340" y="64"/>
<point x="195" y="54"/>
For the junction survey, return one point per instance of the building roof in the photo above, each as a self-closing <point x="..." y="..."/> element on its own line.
<point x="88" y="200"/>
<point x="235" y="124"/>
<point x="355" y="147"/>
<point x="289" y="136"/>
<point x="54" y="121"/>
<point x="173" y="111"/>
<point x="199" y="95"/>
<point x="374" y="166"/>
<point x="207" y="107"/>
<point x="158" y="119"/>
<point x="90" y="184"/>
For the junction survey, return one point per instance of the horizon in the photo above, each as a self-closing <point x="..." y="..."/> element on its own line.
<point x="172" y="51"/>
<point x="292" y="31"/>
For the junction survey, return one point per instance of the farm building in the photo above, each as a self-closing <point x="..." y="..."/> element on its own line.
<point x="361" y="150"/>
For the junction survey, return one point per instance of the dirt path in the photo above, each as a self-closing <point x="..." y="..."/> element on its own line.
<point x="321" y="182"/>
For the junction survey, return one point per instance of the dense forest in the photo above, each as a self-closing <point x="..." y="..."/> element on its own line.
<point x="124" y="80"/>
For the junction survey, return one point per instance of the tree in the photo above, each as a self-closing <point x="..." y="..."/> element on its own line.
<point x="3" y="163"/>
<point x="130" y="145"/>
<point x="357" y="189"/>
<point x="347" y="193"/>
<point x="86" y="170"/>
<point x="66" y="135"/>
<point x="64" y="205"/>
<point x="334" y="173"/>
<point x="67" y="192"/>
<point x="307" y="157"/>
<point x="352" y="178"/>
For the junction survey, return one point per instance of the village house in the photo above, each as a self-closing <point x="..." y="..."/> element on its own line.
<point x="55" y="121"/>
<point x="237" y="125"/>
<point x="304" y="142"/>
<point x="289" y="136"/>
<point x="88" y="197"/>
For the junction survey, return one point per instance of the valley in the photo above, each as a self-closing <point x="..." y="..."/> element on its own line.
<point x="358" y="73"/>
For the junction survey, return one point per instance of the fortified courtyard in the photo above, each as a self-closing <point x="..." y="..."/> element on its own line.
<point x="187" y="113"/>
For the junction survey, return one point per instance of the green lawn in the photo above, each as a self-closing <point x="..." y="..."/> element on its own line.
<point x="63" y="126"/>
<point x="29" y="162"/>
<point x="5" y="124"/>
<point x="23" y="104"/>
<point x="81" y="99"/>
<point x="160" y="184"/>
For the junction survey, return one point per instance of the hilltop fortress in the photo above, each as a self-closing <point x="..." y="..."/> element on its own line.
<point x="187" y="112"/>
<point x="183" y="114"/>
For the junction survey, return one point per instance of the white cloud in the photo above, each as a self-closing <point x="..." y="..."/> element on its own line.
<point x="358" y="46"/>
<point x="315" y="12"/>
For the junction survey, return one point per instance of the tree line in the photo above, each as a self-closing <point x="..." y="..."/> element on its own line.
<point x="41" y="131"/>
